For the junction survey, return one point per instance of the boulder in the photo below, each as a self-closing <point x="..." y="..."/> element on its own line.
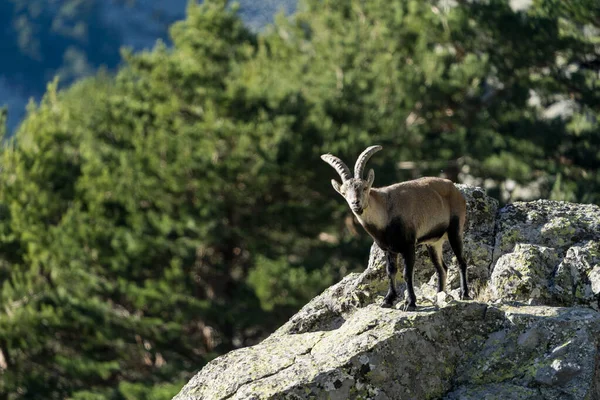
<point x="547" y="252"/>
<point x="525" y="274"/>
<point x="375" y="353"/>
<point x="553" y="224"/>
<point x="536" y="335"/>
<point x="543" y="352"/>
<point x="460" y="351"/>
<point x="577" y="278"/>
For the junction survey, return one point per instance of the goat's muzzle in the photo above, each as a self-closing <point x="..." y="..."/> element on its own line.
<point x="357" y="210"/>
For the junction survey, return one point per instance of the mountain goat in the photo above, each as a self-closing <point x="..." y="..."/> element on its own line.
<point x="403" y="215"/>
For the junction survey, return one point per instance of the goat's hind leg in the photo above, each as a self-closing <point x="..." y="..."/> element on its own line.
<point x="391" y="269"/>
<point x="455" y="238"/>
<point x="435" y="253"/>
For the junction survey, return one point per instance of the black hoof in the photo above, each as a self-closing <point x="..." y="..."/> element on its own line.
<point x="409" y="306"/>
<point x="465" y="297"/>
<point x="386" y="304"/>
<point x="388" y="300"/>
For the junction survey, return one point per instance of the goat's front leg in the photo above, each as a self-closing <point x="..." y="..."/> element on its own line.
<point x="391" y="269"/>
<point x="409" y="264"/>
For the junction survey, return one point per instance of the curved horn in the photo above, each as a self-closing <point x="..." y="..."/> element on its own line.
<point x="363" y="158"/>
<point x="338" y="165"/>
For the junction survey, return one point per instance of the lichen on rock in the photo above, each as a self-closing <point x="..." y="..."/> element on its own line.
<point x="577" y="277"/>
<point x="525" y="274"/>
<point x="547" y="252"/>
<point x="553" y="224"/>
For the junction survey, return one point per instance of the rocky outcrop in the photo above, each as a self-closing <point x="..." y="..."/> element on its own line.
<point x="457" y="351"/>
<point x="548" y="252"/>
<point x="532" y="333"/>
<point x="577" y="277"/>
<point x="525" y="274"/>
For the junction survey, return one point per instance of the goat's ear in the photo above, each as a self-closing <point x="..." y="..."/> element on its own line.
<point x="371" y="177"/>
<point x="336" y="186"/>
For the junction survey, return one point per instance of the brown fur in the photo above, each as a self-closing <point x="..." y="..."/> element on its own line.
<point x="423" y="203"/>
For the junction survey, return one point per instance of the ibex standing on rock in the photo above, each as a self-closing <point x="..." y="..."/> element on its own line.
<point x="401" y="216"/>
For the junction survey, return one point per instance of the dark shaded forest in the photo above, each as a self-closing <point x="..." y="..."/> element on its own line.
<point x="162" y="214"/>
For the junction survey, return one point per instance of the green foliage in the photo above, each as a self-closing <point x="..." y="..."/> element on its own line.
<point x="561" y="191"/>
<point x="278" y="284"/>
<point x="130" y="391"/>
<point x="154" y="219"/>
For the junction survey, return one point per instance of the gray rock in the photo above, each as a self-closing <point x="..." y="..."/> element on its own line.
<point x="377" y="353"/>
<point x="547" y="252"/>
<point x="342" y="345"/>
<point x="461" y="351"/>
<point x="495" y="391"/>
<point x="554" y="224"/>
<point x="548" y="346"/>
<point x="558" y="373"/>
<point x="525" y="274"/>
<point x="577" y="278"/>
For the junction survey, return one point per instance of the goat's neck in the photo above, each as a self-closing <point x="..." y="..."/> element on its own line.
<point x="376" y="212"/>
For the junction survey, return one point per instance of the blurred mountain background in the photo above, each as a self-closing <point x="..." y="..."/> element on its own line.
<point x="41" y="39"/>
